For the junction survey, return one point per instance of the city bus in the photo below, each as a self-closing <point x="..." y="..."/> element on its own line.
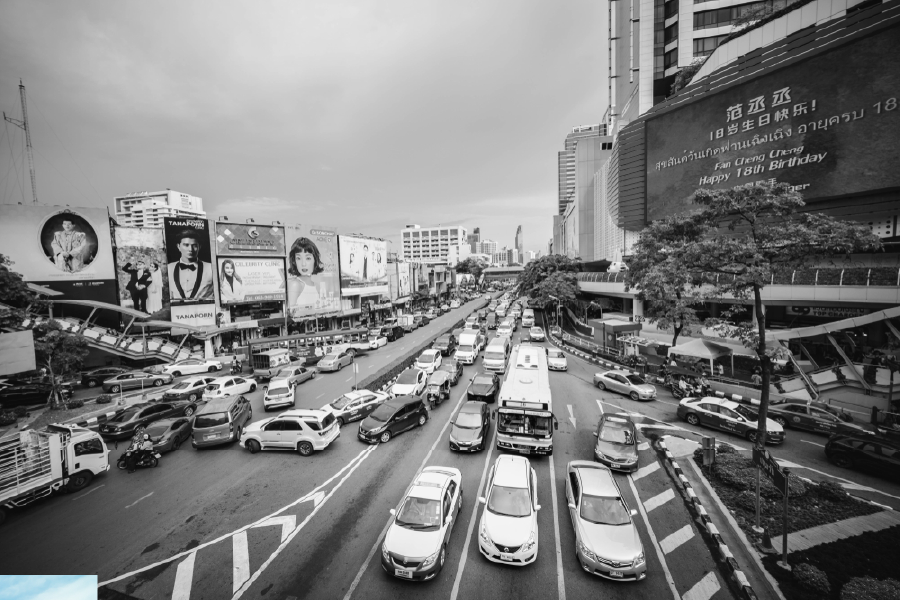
<point x="525" y="420"/>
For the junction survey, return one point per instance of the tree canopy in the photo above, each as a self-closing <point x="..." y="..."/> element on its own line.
<point x="60" y="353"/>
<point x="539" y="270"/>
<point x="471" y="265"/>
<point x="560" y="284"/>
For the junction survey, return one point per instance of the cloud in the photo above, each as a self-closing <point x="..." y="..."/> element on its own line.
<point x="55" y="587"/>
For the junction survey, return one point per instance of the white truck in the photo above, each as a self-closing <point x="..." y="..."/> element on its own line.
<point x="469" y="347"/>
<point x="35" y="464"/>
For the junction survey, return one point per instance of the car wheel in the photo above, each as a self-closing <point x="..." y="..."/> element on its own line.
<point x="176" y="373"/>
<point x="189" y="411"/>
<point x="79" y="481"/>
<point x="91" y="383"/>
<point x="442" y="558"/>
<point x="157" y="382"/>
<point x="422" y="420"/>
<point x="751" y="436"/>
<point x="115" y="389"/>
<point x="385" y="437"/>
<point x="305" y="448"/>
<point x="841" y="460"/>
<point x="252" y="387"/>
<point x="692" y="419"/>
<point x="212" y="369"/>
<point x="192" y="397"/>
<point x="600" y="386"/>
<point x="253" y="446"/>
<point x="121" y="463"/>
<point x="634" y="396"/>
<point x="176" y="444"/>
<point x="237" y="433"/>
<point x="781" y="421"/>
<point x="340" y="422"/>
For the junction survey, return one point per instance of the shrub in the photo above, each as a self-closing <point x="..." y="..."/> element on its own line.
<point x="812" y="579"/>
<point x="20" y="412"/>
<point x="868" y="588"/>
<point x="831" y="491"/>
<point x="725" y="449"/>
<point x="7" y="417"/>
<point x="74" y="404"/>
<point x="104" y="399"/>
<point x="746" y="500"/>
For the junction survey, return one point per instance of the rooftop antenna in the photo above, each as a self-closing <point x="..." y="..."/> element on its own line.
<point x="23" y="124"/>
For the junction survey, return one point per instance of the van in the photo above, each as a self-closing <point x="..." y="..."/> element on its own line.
<point x="492" y="321"/>
<point x="469" y="346"/>
<point x="528" y="318"/>
<point x="496" y="354"/>
<point x="221" y="421"/>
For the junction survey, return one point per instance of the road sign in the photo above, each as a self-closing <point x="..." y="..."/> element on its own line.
<point x="767" y="463"/>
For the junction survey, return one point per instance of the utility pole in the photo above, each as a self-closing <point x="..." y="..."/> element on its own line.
<point x="23" y="124"/>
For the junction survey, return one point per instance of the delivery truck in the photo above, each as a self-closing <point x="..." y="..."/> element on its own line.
<point x="36" y="464"/>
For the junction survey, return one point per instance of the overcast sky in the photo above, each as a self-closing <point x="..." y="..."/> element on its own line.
<point x="361" y="115"/>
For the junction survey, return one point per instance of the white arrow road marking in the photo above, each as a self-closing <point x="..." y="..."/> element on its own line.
<point x="184" y="576"/>
<point x="241" y="560"/>
<point x="600" y="406"/>
<point x="572" y="416"/>
<point x="139" y="499"/>
<point x="287" y="522"/>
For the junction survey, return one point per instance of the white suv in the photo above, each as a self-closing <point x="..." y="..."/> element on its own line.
<point x="508" y="532"/>
<point x="429" y="361"/>
<point x="302" y="430"/>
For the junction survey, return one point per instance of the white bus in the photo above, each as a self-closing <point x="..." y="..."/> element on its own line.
<point x="525" y="420"/>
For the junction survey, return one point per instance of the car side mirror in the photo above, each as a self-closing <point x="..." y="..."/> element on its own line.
<point x="595" y="433"/>
<point x="572" y="506"/>
<point x="556" y="426"/>
<point x="393" y="512"/>
<point x="537" y="507"/>
<point x="493" y="415"/>
<point x="481" y="500"/>
<point x="633" y="513"/>
<point x="449" y="519"/>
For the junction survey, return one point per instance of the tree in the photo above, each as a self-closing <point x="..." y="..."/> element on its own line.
<point x="471" y="265"/>
<point x="540" y="269"/>
<point x="14" y="292"/>
<point x="664" y="284"/>
<point x="737" y="240"/>
<point x="60" y="353"/>
<point x="561" y="284"/>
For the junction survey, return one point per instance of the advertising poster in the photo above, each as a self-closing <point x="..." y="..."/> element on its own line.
<point x="243" y="280"/>
<point x="57" y="243"/>
<point x="235" y="239"/>
<point x="188" y="254"/>
<point x="313" y="280"/>
<point x="404" y="279"/>
<point x="363" y="266"/>
<point x="141" y="268"/>
<point x="196" y="315"/>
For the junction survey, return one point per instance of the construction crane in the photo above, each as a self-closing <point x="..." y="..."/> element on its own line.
<point x="23" y="124"/>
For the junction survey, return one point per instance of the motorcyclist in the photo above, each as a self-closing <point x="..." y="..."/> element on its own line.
<point x="143" y="450"/>
<point x="704" y="386"/>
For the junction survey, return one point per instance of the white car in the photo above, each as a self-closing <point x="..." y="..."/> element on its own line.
<point x="454" y="304"/>
<point x="303" y="431"/>
<point x="429" y="361"/>
<point x="504" y="330"/>
<point x="228" y="386"/>
<point x="536" y="334"/>
<point x="411" y="382"/>
<point x="377" y="341"/>
<point x="279" y="393"/>
<point x="192" y="366"/>
<point x="466" y="354"/>
<point x="415" y="545"/>
<point x="508" y="532"/>
<point x="355" y="405"/>
<point x="556" y="360"/>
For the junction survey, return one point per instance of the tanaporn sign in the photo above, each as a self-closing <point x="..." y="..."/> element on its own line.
<point x="197" y="315"/>
<point x="827" y="125"/>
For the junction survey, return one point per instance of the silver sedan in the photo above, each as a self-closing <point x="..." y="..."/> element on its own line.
<point x="625" y="383"/>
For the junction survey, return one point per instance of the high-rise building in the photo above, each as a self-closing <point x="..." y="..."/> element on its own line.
<point x="487" y="247"/>
<point x="431" y="245"/>
<point x="147" y="209"/>
<point x="566" y="160"/>
<point x="474" y="238"/>
<point x="520" y="241"/>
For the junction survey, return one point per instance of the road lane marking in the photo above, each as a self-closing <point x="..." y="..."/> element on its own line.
<point x="378" y="541"/>
<point x="184" y="577"/>
<point x="652" y="534"/>
<point x="320" y="395"/>
<point x="240" y="570"/>
<point x="139" y="499"/>
<point x="659" y="500"/>
<point x="349" y="379"/>
<point x="571" y="416"/>
<point x="643" y="446"/>
<point x="600" y="406"/>
<point x="646" y="470"/>
<point x="89" y="492"/>
<point x="310" y="496"/>
<point x="371" y="366"/>
<point x="704" y="589"/>
<point x="813" y="443"/>
<point x="289" y="522"/>
<point x="560" y="579"/>
<point x="673" y="541"/>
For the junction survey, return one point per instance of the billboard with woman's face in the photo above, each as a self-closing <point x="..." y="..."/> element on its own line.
<point x="363" y="266"/>
<point x="244" y="280"/>
<point x="313" y="280"/>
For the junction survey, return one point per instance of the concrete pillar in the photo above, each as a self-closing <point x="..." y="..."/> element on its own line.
<point x="208" y="350"/>
<point x="637" y="310"/>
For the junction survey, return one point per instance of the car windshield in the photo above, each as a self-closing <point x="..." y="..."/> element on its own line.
<point x="156" y="430"/>
<point x="210" y="420"/>
<point x="556" y="354"/>
<point x="465" y="348"/>
<point x="285" y="373"/>
<point x="448" y="366"/>
<point x="536" y="330"/>
<point x="182" y="385"/>
<point x="273" y="391"/>
<point x="617" y="435"/>
<point x="483" y="381"/>
<point x="383" y="413"/>
<point x="634" y="379"/>
<point x="509" y="501"/>
<point x="375" y="332"/>
<point x="468" y="420"/>
<point x="330" y="357"/>
<point x="124" y="417"/>
<point x="341" y="402"/>
<point x="604" y="510"/>
<point x="746" y="412"/>
<point x="419" y="513"/>
<point x="517" y="423"/>
<point x="408" y="377"/>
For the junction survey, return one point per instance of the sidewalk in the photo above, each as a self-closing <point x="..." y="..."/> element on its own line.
<point x="744" y="553"/>
<point x="831" y="532"/>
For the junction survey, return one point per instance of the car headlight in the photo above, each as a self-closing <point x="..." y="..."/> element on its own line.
<point x="430" y="560"/>
<point x="529" y="544"/>
<point x="384" y="551"/>
<point x="638" y="560"/>
<point x="601" y="455"/>
<point x="484" y="535"/>
<point x="586" y="552"/>
<point x="477" y="441"/>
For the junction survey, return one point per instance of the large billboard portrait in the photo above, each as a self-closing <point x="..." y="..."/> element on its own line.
<point x="363" y="266"/>
<point x="236" y="239"/>
<point x="313" y="281"/>
<point x="141" y="268"/>
<point x="189" y="267"/>
<point x="54" y="243"/>
<point x="404" y="279"/>
<point x="243" y="280"/>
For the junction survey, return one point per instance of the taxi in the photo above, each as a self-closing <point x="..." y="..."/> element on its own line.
<point x="817" y="417"/>
<point x="726" y="415"/>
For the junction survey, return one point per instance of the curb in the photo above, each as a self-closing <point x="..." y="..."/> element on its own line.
<point x="99" y="418"/>
<point x="731" y="565"/>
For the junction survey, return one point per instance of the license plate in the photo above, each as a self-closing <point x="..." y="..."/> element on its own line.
<point x="211" y="437"/>
<point x="158" y="455"/>
<point x="504" y="556"/>
<point x="403" y="573"/>
<point x="615" y="574"/>
<point x="524" y="451"/>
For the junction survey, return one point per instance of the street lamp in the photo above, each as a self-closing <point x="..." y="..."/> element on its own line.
<point x="557" y="309"/>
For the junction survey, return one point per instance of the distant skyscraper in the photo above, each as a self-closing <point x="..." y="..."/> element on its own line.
<point x="566" y="161"/>
<point x="473" y="239"/>
<point x="520" y="241"/>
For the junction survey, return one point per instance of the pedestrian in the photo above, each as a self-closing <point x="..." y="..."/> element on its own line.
<point x="756" y="378"/>
<point x="720" y="370"/>
<point x="704" y="385"/>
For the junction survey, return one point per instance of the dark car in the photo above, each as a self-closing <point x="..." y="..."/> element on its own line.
<point x="168" y="434"/>
<point x="874" y="454"/>
<point x="391" y="332"/>
<point x="453" y="367"/>
<point x="98" y="376"/>
<point x="190" y="389"/>
<point x="484" y="388"/>
<point x="136" y="380"/>
<point x="394" y="416"/>
<point x="446" y="344"/>
<point x="817" y="417"/>
<point x="470" y="430"/>
<point x="29" y="393"/>
<point x="124" y="424"/>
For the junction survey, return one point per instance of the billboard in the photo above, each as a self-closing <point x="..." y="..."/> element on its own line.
<point x="244" y="280"/>
<point x="198" y="315"/>
<point x="826" y="125"/>
<point x="313" y="279"/>
<point x="235" y="239"/>
<point x="141" y="268"/>
<point x="363" y="266"/>
<point x="189" y="268"/>
<point x="56" y="243"/>
<point x="404" y="279"/>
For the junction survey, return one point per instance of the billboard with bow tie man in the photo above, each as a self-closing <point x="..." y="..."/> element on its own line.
<point x="190" y="269"/>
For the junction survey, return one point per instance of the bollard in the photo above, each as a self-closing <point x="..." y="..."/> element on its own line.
<point x="709" y="450"/>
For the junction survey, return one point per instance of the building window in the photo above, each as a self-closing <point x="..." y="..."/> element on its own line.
<point x="671" y="33"/>
<point x="671" y="9"/>
<point x="705" y="46"/>
<point x="726" y="16"/>
<point x="671" y="59"/>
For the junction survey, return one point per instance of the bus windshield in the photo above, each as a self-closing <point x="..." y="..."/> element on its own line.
<point x="523" y="424"/>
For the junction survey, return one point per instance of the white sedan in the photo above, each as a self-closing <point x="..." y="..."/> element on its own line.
<point x="410" y="383"/>
<point x="228" y="386"/>
<point x="508" y="532"/>
<point x="377" y="341"/>
<point x="192" y="366"/>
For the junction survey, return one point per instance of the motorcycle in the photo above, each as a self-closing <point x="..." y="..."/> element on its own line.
<point x="149" y="460"/>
